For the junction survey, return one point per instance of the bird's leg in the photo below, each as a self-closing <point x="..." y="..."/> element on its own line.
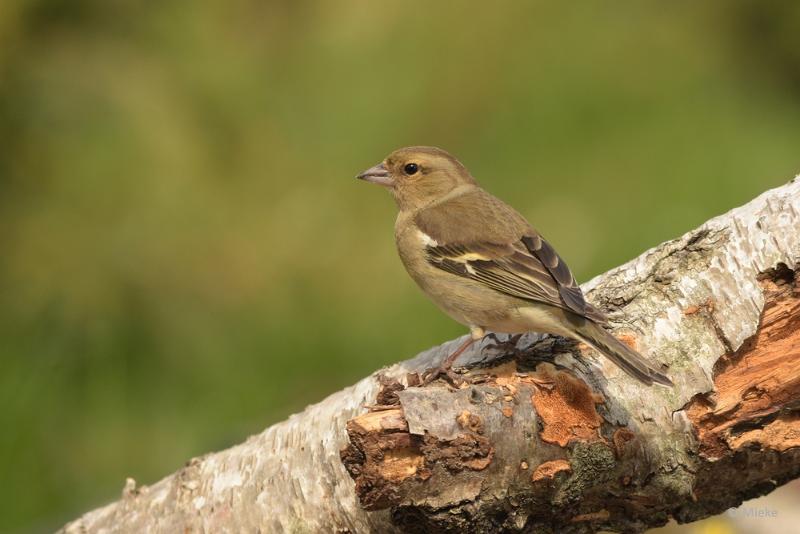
<point x="444" y="370"/>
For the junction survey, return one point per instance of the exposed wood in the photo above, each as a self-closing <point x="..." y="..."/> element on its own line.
<point x="756" y="394"/>
<point x="549" y="437"/>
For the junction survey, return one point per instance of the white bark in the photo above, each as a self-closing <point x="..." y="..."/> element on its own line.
<point x="687" y="303"/>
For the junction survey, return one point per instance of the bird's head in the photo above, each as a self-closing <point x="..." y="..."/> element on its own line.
<point x="418" y="175"/>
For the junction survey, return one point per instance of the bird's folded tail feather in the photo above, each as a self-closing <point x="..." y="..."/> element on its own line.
<point x="621" y="354"/>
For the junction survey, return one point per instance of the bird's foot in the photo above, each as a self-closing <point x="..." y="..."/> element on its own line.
<point x="445" y="369"/>
<point x="445" y="372"/>
<point x="506" y="347"/>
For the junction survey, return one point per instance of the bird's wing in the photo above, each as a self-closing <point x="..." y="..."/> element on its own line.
<point x="479" y="237"/>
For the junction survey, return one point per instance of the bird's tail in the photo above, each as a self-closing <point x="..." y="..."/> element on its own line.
<point x="621" y="354"/>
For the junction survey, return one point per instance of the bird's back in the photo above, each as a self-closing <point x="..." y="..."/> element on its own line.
<point x="477" y="212"/>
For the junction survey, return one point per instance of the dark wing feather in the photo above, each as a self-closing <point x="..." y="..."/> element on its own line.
<point x="567" y="286"/>
<point x="510" y="257"/>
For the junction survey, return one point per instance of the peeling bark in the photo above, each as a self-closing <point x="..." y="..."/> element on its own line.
<point x="548" y="438"/>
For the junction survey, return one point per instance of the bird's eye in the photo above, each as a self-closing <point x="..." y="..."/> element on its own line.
<point x="411" y="168"/>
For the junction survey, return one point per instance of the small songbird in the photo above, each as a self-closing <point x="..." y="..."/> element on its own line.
<point x="483" y="264"/>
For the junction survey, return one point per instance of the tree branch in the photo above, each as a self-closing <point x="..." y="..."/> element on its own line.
<point x="550" y="437"/>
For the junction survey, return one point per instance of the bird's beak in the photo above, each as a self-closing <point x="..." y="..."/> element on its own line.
<point x="378" y="174"/>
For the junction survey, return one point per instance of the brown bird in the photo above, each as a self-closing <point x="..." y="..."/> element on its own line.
<point x="483" y="264"/>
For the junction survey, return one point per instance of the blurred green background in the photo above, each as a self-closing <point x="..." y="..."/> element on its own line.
<point x="186" y="257"/>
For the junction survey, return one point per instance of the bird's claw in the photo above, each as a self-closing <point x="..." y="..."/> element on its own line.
<point x="509" y="346"/>
<point x="450" y="376"/>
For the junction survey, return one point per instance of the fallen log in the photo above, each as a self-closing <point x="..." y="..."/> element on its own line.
<point x="547" y="436"/>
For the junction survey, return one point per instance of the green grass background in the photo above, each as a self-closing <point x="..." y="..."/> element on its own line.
<point x="185" y="257"/>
